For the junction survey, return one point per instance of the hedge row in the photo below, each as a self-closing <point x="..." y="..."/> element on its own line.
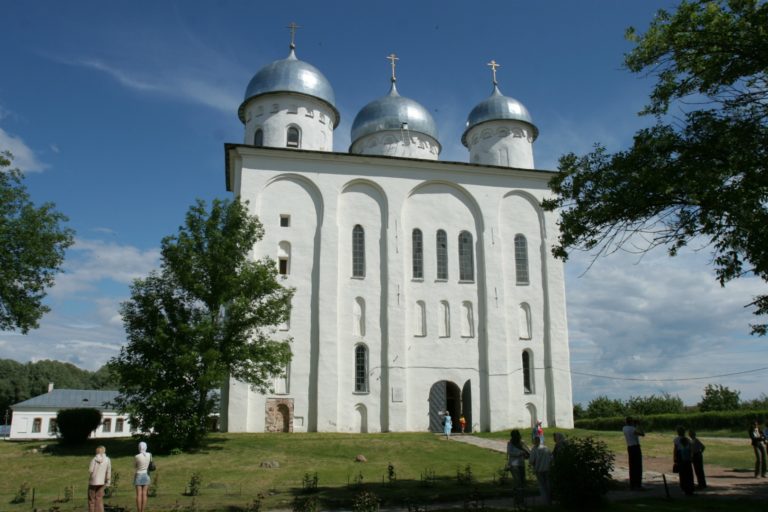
<point x="714" y="420"/>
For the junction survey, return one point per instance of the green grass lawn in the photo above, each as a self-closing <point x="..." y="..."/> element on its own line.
<point x="229" y="466"/>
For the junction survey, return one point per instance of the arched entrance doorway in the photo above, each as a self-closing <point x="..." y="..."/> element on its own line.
<point x="444" y="396"/>
<point x="284" y="417"/>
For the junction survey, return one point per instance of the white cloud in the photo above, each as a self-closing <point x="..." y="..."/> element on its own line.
<point x="659" y="318"/>
<point x="23" y="156"/>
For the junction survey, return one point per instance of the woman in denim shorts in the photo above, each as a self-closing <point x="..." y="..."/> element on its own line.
<point x="141" y="479"/>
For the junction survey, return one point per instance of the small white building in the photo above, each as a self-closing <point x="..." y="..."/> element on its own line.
<point x="36" y="418"/>
<point x="422" y="286"/>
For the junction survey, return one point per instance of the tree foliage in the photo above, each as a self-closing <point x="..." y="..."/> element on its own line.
<point x="75" y="425"/>
<point x="698" y="175"/>
<point x="581" y="473"/>
<point x="719" y="398"/>
<point x="205" y="315"/>
<point x="32" y="245"/>
<point x="604" y="407"/>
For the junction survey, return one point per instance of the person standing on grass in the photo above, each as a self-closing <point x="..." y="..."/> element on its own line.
<point x="683" y="461"/>
<point x="540" y="461"/>
<point x="697" y="456"/>
<point x="447" y="424"/>
<point x="100" y="477"/>
<point x="141" y="479"/>
<point x="632" y="436"/>
<point x="757" y="438"/>
<point x="517" y="453"/>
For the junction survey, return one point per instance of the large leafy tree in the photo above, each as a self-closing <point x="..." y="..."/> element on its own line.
<point x="698" y="175"/>
<point x="206" y="314"/>
<point x="32" y="245"/>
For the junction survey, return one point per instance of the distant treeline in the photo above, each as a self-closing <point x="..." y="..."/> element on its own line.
<point x="21" y="381"/>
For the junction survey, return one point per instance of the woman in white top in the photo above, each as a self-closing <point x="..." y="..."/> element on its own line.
<point x="141" y="479"/>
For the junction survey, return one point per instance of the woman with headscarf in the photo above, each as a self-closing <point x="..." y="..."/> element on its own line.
<point x="141" y="479"/>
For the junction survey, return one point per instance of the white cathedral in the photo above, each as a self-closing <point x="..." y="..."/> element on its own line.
<point x="422" y="286"/>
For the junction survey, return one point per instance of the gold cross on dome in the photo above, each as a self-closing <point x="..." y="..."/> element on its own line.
<point x="293" y="26"/>
<point x="392" y="58"/>
<point x="493" y="64"/>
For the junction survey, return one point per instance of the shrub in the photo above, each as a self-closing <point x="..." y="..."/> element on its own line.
<point x="75" y="425"/>
<point x="716" y="420"/>
<point x="365" y="501"/>
<point x="21" y="494"/>
<point x="195" y="482"/>
<point x="654" y="404"/>
<point x="581" y="473"/>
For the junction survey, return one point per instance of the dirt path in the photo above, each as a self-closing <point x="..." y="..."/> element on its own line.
<point x="720" y="481"/>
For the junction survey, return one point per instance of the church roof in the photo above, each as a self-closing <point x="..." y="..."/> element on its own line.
<point x="70" y="398"/>
<point x="498" y="107"/>
<point x="290" y="75"/>
<point x="390" y="112"/>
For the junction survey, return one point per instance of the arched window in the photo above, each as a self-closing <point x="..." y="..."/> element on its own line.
<point x="444" y="328"/>
<point x="293" y="137"/>
<point x="466" y="260"/>
<point x="442" y="255"/>
<point x="521" y="260"/>
<point x="361" y="369"/>
<point x="467" y="320"/>
<point x="258" y="138"/>
<point x="358" y="251"/>
<point x="525" y="321"/>
<point x="358" y="317"/>
<point x="418" y="254"/>
<point x="420" y="319"/>
<point x="527" y="372"/>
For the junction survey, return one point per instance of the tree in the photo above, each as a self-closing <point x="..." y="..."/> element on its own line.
<point x="206" y="314"/>
<point x="32" y="245"/>
<point x="604" y="407"/>
<point x="698" y="175"/>
<point x="719" y="398"/>
<point x="75" y="425"/>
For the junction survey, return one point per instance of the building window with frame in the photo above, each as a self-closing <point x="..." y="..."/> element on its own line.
<point x="418" y="254"/>
<point x="52" y="426"/>
<point x="258" y="138"/>
<point x="521" y="260"/>
<point x="284" y="258"/>
<point x="106" y="425"/>
<point x="444" y="329"/>
<point x="285" y="220"/>
<point x="358" y="317"/>
<point x="37" y="425"/>
<point x="358" y="251"/>
<point x="420" y="319"/>
<point x="293" y="139"/>
<point x="441" y="240"/>
<point x="283" y="381"/>
<point x="467" y="320"/>
<point x="119" y="425"/>
<point x="466" y="257"/>
<point x="525" y="321"/>
<point x="527" y="372"/>
<point x="361" y="369"/>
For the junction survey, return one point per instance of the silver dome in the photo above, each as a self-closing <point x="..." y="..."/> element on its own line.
<point x="498" y="107"/>
<point x="389" y="113"/>
<point x="290" y="75"/>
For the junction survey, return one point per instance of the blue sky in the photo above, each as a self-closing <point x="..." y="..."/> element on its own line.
<point x="118" y="113"/>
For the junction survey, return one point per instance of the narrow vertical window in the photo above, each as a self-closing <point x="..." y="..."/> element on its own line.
<point x="444" y="328"/>
<point x="418" y="254"/>
<point x="293" y="137"/>
<point x="525" y="321"/>
<point x="258" y="138"/>
<point x="52" y="426"/>
<point x="442" y="255"/>
<point x="527" y="372"/>
<point x="466" y="259"/>
<point x="119" y="425"/>
<point x="361" y="369"/>
<point x="106" y="426"/>
<point x="420" y="319"/>
<point x="467" y="320"/>
<point x="521" y="260"/>
<point x="37" y="425"/>
<point x="283" y="381"/>
<point x="358" y="317"/>
<point x="284" y="258"/>
<point x="358" y="251"/>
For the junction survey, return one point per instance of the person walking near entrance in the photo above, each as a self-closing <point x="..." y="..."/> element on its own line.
<point x="447" y="424"/>
<point x="632" y="436"/>
<point x="462" y="423"/>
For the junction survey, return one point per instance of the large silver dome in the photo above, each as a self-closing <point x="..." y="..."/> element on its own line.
<point x="498" y="107"/>
<point x="389" y="113"/>
<point x="290" y="75"/>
